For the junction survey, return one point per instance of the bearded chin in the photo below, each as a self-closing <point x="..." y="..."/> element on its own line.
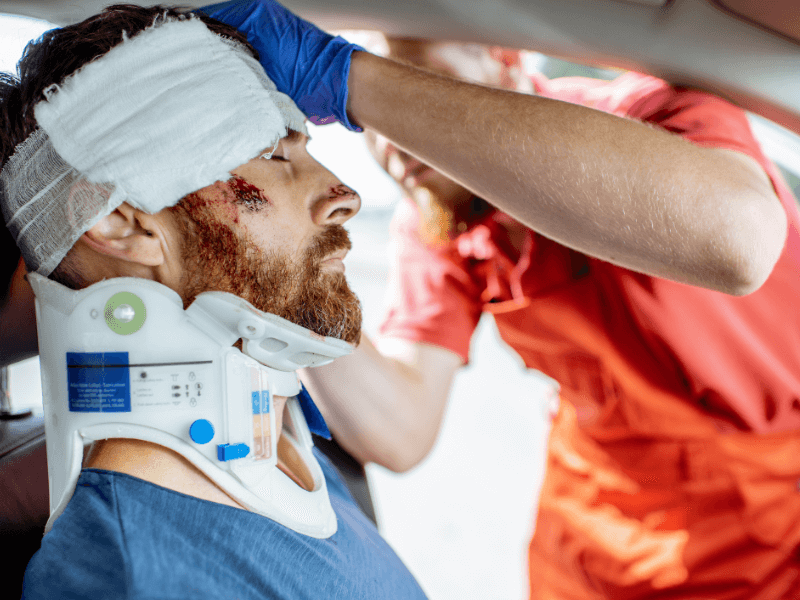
<point x="327" y="307"/>
<point x="321" y="302"/>
<point x="298" y="291"/>
<point x="305" y="294"/>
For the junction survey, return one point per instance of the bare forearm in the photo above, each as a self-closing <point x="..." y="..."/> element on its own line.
<point x="610" y="187"/>
<point x="379" y="408"/>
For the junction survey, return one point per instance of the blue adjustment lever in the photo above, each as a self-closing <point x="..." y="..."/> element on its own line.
<point x="227" y="452"/>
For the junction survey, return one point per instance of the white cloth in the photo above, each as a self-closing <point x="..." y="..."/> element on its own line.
<point x="161" y="115"/>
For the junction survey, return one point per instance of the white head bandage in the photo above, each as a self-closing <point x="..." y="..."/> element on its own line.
<point x="161" y="115"/>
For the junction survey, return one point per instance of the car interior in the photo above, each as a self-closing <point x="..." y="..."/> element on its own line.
<point x="747" y="51"/>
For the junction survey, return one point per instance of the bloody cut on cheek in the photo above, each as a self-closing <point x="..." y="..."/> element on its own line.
<point x="247" y="194"/>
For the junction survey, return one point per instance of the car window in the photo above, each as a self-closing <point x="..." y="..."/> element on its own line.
<point x="553" y="68"/>
<point x="781" y="146"/>
<point x="793" y="179"/>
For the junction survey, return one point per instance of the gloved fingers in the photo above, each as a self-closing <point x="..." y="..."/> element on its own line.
<point x="304" y="62"/>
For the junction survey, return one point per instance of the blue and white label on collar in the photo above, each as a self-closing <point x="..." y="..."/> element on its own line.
<point x="98" y="382"/>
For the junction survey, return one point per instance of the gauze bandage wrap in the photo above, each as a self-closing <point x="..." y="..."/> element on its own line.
<point x="163" y="114"/>
<point x="314" y="66"/>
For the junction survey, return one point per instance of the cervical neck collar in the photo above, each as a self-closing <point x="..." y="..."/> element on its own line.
<point x="123" y="359"/>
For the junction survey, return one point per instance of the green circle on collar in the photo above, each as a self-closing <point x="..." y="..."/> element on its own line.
<point x="125" y="313"/>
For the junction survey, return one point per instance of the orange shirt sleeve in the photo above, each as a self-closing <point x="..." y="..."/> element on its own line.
<point x="705" y="120"/>
<point x="695" y="115"/>
<point x="699" y="117"/>
<point x="432" y="298"/>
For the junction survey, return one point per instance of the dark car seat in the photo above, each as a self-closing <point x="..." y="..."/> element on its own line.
<point x="24" y="503"/>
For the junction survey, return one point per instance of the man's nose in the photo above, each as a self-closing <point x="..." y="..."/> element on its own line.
<point x="336" y="206"/>
<point x="386" y="150"/>
<point x="388" y="156"/>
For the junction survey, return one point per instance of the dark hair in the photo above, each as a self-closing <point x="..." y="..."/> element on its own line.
<point x="49" y="60"/>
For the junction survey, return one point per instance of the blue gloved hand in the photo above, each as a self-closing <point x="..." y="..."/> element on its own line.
<point x="306" y="63"/>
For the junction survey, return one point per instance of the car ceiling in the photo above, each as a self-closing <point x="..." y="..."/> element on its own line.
<point x="720" y="45"/>
<point x="781" y="17"/>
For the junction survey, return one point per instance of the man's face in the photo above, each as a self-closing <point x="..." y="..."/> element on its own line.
<point x="468" y="62"/>
<point x="273" y="235"/>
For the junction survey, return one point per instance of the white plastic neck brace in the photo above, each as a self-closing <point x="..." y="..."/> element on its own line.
<point x="122" y="359"/>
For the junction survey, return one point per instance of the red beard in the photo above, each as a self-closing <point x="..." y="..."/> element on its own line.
<point x="216" y="258"/>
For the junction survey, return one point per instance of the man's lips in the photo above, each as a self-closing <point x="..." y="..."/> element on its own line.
<point x="338" y="255"/>
<point x="335" y="260"/>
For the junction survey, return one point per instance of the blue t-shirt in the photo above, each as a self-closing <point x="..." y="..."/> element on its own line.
<point x="124" y="538"/>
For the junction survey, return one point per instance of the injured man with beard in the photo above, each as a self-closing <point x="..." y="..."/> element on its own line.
<point x="148" y="143"/>
<point x="270" y="234"/>
<point x="274" y="237"/>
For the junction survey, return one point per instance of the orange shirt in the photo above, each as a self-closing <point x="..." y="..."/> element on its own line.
<point x="675" y="459"/>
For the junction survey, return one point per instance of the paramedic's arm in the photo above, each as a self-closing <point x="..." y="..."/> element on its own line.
<point x="610" y="187"/>
<point x="386" y="407"/>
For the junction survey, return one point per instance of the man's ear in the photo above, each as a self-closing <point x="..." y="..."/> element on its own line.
<point x="129" y="234"/>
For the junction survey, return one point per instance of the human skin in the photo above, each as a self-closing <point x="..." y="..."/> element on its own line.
<point x="468" y="62"/>
<point x="249" y="236"/>
<point x="610" y="187"/>
<point x="168" y="469"/>
<point x="635" y="196"/>
<point x="299" y="207"/>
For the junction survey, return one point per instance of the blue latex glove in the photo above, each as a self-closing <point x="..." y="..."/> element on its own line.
<point x="307" y="64"/>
